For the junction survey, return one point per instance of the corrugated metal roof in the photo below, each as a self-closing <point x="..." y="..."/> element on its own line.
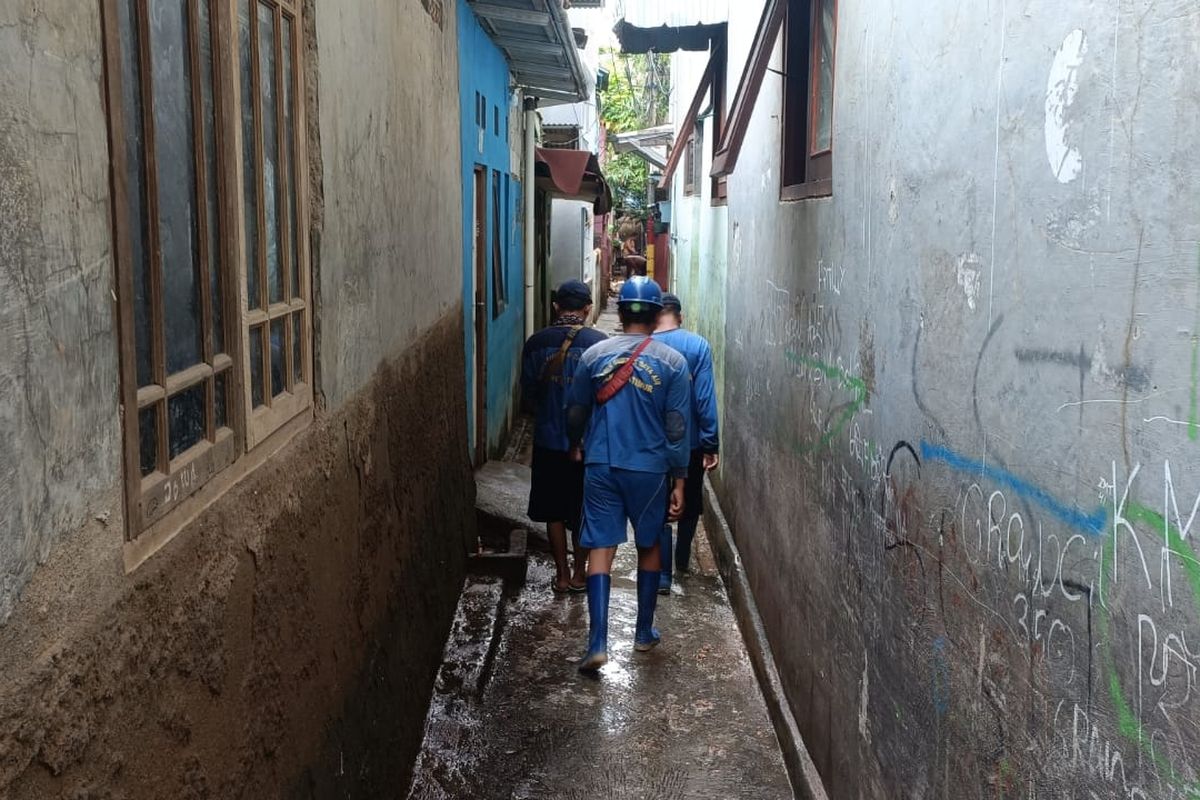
<point x="539" y="45"/>
<point x="650" y="144"/>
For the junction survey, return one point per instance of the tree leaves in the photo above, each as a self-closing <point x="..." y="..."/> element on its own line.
<point x="638" y="96"/>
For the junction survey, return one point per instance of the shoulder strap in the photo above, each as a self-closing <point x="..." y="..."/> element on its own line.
<point x="554" y="364"/>
<point x="618" y="379"/>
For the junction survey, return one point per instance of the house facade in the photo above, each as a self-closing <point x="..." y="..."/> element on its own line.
<point x="490" y="106"/>
<point x="513" y="60"/>
<point x="951" y="295"/>
<point x="223" y="244"/>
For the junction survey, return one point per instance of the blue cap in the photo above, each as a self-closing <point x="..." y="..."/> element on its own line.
<point x="573" y="295"/>
<point x="640" y="291"/>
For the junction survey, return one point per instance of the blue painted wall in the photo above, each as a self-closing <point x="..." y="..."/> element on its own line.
<point x="484" y="105"/>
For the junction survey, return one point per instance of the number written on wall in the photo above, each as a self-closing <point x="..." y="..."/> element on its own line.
<point x="180" y="484"/>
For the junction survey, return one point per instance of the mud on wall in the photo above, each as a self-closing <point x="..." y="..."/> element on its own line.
<point x="961" y="403"/>
<point x="284" y="645"/>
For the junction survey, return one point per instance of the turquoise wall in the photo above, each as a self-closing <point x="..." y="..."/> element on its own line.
<point x="483" y="79"/>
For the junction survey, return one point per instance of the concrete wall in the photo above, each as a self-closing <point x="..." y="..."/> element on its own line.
<point x="961" y="442"/>
<point x="308" y="605"/>
<point x="484" y="70"/>
<point x="389" y="209"/>
<point x="698" y="228"/>
<point x="60" y="457"/>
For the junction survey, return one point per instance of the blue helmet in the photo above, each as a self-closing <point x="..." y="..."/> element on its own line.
<point x="640" y="293"/>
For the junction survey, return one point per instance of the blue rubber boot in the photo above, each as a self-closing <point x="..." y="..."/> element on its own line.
<point x="664" y="549"/>
<point x="683" y="544"/>
<point x="598" y="589"/>
<point x="645" y="636"/>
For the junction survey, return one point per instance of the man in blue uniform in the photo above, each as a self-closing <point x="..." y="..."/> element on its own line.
<point x="628" y="409"/>
<point x="705" y="439"/>
<point x="548" y="365"/>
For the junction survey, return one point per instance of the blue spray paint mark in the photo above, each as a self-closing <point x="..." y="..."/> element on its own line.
<point x="941" y="677"/>
<point x="1092" y="524"/>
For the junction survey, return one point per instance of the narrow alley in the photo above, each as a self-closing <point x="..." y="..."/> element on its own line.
<point x="334" y="329"/>
<point x="512" y="718"/>
<point x="686" y="721"/>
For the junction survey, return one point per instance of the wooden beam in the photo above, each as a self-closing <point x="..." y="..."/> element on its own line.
<point x="688" y="128"/>
<point x="518" y="16"/>
<point x="730" y="146"/>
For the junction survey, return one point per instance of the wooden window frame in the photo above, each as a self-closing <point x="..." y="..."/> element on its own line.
<point x="689" y="165"/>
<point x="805" y="172"/>
<point x="734" y="133"/>
<point x="719" y="188"/>
<point x="158" y="505"/>
<point x="297" y="396"/>
<point x="688" y="127"/>
<point x="499" y="238"/>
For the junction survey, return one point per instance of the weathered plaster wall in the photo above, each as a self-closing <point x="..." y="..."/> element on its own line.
<point x="60" y="446"/>
<point x="284" y="643"/>
<point x="282" y="646"/>
<point x="961" y="431"/>
<point x="389" y="127"/>
<point x="698" y="228"/>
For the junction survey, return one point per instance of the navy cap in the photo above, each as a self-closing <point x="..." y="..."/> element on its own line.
<point x="671" y="302"/>
<point x="573" y="295"/>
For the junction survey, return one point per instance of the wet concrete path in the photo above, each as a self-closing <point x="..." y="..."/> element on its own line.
<point x="512" y="718"/>
<point x="683" y="721"/>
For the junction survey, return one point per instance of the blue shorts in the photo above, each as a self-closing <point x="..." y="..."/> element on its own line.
<point x="613" y="497"/>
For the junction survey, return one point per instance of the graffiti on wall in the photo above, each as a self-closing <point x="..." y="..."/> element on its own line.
<point x="1069" y="619"/>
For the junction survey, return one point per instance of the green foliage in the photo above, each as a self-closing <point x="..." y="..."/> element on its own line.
<point x="638" y="96"/>
<point x="627" y="176"/>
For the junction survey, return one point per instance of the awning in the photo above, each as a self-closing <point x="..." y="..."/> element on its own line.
<point x="539" y="45"/>
<point x="573" y="175"/>
<point x="666" y="39"/>
<point x="650" y="144"/>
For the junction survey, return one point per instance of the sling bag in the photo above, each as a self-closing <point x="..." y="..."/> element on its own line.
<point x="554" y="363"/>
<point x="618" y="379"/>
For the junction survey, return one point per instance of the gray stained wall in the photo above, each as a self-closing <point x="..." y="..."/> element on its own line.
<point x="309" y="603"/>
<point x="390" y="133"/>
<point x="962" y="453"/>
<point x="60" y="446"/>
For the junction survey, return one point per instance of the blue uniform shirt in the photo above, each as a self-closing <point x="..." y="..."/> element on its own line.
<point x="644" y="427"/>
<point x="694" y="347"/>
<point x="543" y="388"/>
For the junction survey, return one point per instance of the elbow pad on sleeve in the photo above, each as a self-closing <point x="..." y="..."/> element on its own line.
<point x="676" y="426"/>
